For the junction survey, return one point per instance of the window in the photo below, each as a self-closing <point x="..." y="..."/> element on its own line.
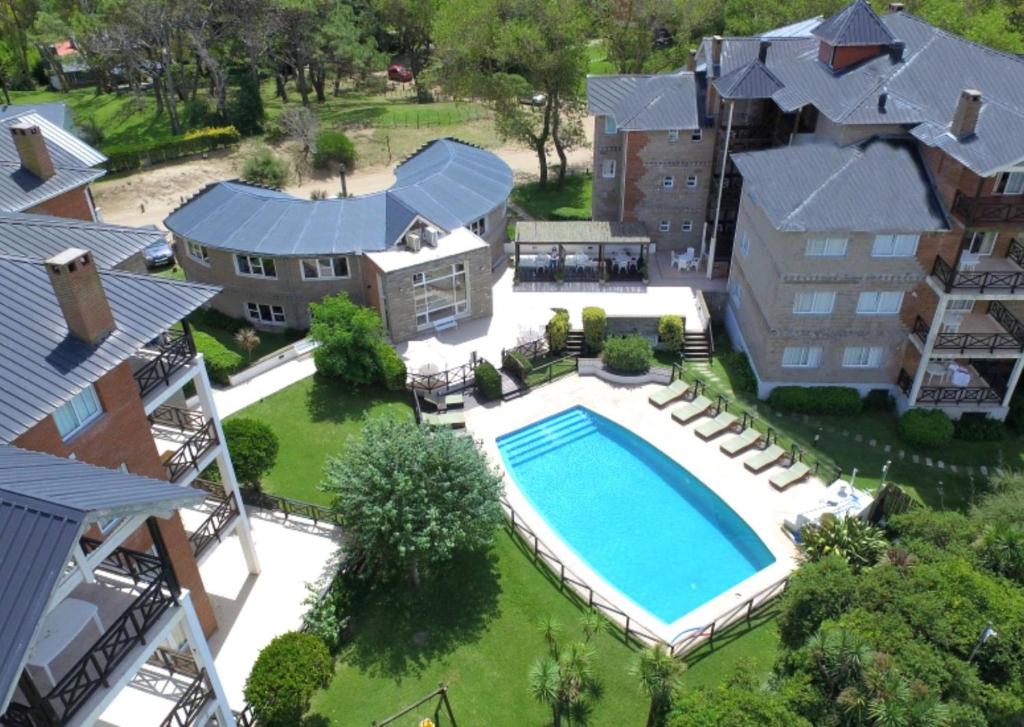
<point x="264" y="313"/>
<point x="478" y="227"/>
<point x="324" y="267"/>
<point x="879" y="303"/>
<point x="696" y="135"/>
<point x="691" y="181"/>
<point x="198" y="252"/>
<point x="664" y="226"/>
<point x="609" y="125"/>
<point x="862" y="357"/>
<point x="826" y="247"/>
<point x="78" y="413"/>
<point x="735" y="293"/>
<point x="607" y="168"/>
<point x="440" y="294"/>
<point x="960" y="305"/>
<point x="801" y="357"/>
<point x="687" y="226"/>
<point x="668" y="182"/>
<point x="894" y="246"/>
<point x="258" y="267"/>
<point x="818" y="302"/>
<point x="1010" y="183"/>
<point x="744" y="243"/>
<point x="982" y="242"/>
<point x="673" y="136"/>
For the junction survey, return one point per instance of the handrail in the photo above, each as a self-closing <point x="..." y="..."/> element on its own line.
<point x="967" y="341"/>
<point x="176" y="351"/>
<point x="288" y="506"/>
<point x="126" y="563"/>
<point x="949" y="395"/>
<point x="214" y="525"/>
<point x="457" y="378"/>
<point x="704" y="318"/>
<point x="982" y="280"/>
<point x="991" y="209"/>
<point x="187" y="709"/>
<point x="550" y="366"/>
<point x="185" y="420"/>
<point x="531" y="349"/>
<point x="187" y="456"/>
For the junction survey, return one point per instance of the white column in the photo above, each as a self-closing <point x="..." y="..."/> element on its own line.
<point x="926" y="349"/>
<point x="204" y="659"/>
<point x="1011" y="385"/>
<point x="227" y="470"/>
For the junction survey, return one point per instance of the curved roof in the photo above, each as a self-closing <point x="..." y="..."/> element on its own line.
<point x="447" y="182"/>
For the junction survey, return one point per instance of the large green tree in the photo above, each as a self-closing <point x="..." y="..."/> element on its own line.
<point x="348" y="336"/>
<point x="412" y="22"/>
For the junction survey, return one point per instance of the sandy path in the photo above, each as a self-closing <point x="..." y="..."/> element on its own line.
<point x="148" y="196"/>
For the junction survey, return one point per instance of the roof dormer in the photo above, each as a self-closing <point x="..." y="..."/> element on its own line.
<point x="852" y="35"/>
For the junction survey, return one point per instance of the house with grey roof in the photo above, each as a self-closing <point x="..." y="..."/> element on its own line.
<point x="58" y="114"/>
<point x="421" y="252"/>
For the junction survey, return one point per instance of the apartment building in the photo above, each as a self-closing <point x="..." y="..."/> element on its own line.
<point x="94" y="367"/>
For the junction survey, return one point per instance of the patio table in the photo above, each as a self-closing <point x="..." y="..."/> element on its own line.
<point x="60" y="628"/>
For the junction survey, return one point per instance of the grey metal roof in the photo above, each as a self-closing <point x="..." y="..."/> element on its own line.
<point x="739" y="52"/>
<point x="57" y="113"/>
<point x="856" y="24"/>
<point x="44" y="503"/>
<point x="74" y="162"/>
<point x="646" y="103"/>
<point x="447" y="182"/>
<point x="801" y="28"/>
<point x="879" y="185"/>
<point x="42" y="366"/>
<point x="582" y="232"/>
<point x="748" y="82"/>
<point x="42" y="236"/>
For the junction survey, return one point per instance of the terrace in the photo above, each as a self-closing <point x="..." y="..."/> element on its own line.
<point x="997" y="333"/>
<point x="983" y="387"/>
<point x="162" y="367"/>
<point x="998" y="211"/>
<point x="581" y="251"/>
<point x="983" y="274"/>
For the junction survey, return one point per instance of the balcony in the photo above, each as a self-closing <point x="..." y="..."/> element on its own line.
<point x="996" y="211"/>
<point x="184" y="438"/>
<point x="156" y="367"/>
<point x="980" y="391"/>
<point x="990" y="275"/>
<point x="997" y="332"/>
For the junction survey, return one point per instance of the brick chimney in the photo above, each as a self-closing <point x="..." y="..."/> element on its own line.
<point x="691" y="60"/>
<point x="716" y="53"/>
<point x="35" y="157"/>
<point x="965" y="118"/>
<point x="79" y="290"/>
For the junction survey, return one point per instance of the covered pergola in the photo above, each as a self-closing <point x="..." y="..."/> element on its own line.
<point x="583" y="250"/>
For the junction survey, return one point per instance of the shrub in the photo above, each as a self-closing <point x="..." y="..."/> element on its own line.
<point x="392" y="368"/>
<point x="266" y="169"/>
<point x="923" y="428"/>
<point x="126" y="157"/>
<point x="827" y="400"/>
<point x="246" y="110"/>
<point x="627" y="354"/>
<point x="670" y="333"/>
<point x="879" y="400"/>
<point x="333" y="146"/>
<point x="857" y="541"/>
<point x="818" y="591"/>
<point x="488" y="381"/>
<point x="253" y="447"/>
<point x="221" y="361"/>
<point x="741" y="374"/>
<point x="594" y="326"/>
<point x="557" y="331"/>
<point x="197" y="113"/>
<point x="570" y="214"/>
<point x="517" y="364"/>
<point x="975" y="427"/>
<point x="350" y="337"/>
<point x="286" y="674"/>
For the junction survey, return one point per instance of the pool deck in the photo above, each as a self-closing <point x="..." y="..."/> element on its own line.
<point x="749" y="495"/>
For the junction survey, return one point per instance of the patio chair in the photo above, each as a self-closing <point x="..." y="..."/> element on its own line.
<point x="741" y="442"/>
<point x="452" y="419"/>
<point x="684" y="261"/>
<point x="797" y="472"/>
<point x="713" y="427"/>
<point x="686" y="413"/>
<point x="690" y="259"/>
<point x="765" y="458"/>
<point x="667" y="394"/>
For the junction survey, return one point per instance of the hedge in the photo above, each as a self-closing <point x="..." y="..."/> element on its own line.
<point x="488" y="381"/>
<point x="517" y="364"/>
<point x="923" y="428"/>
<point x="126" y="157"/>
<point x="627" y="354"/>
<point x="976" y="427"/>
<point x="594" y="326"/>
<point x="285" y="676"/>
<point x="670" y="333"/>
<point x="392" y="368"/>
<point x="253" y="446"/>
<point x="557" y="331"/>
<point x="741" y="374"/>
<point x="827" y="400"/>
<point x="221" y="361"/>
<point x="333" y="146"/>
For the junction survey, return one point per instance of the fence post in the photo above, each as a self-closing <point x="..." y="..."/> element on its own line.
<point x="711" y="636"/>
<point x="750" y="608"/>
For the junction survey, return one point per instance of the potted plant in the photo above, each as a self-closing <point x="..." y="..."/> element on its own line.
<point x="643" y="271"/>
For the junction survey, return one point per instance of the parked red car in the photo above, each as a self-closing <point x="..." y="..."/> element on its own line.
<point x="398" y="72"/>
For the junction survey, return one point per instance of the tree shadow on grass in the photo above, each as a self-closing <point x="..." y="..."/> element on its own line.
<point x="399" y="630"/>
<point x="330" y="400"/>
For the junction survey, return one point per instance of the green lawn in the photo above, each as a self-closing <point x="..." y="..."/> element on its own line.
<point x="598" y="57"/>
<point x="541" y="202"/>
<point x="313" y="419"/>
<point x="754" y="644"/>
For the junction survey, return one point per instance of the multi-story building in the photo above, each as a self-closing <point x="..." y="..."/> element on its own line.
<point x="94" y="367"/>
<point x="421" y="252"/>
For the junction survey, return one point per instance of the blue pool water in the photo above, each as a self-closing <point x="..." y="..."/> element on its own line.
<point x="645" y="524"/>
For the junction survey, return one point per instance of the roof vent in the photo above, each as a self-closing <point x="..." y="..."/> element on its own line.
<point x="883" y="98"/>
<point x="896" y="49"/>
<point x="35" y="157"/>
<point x="896" y="7"/>
<point x="965" y="118"/>
<point x="80" y="294"/>
<point x="762" y="51"/>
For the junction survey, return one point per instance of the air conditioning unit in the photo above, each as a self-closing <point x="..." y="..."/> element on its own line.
<point x="431" y="235"/>
<point x="413" y="241"/>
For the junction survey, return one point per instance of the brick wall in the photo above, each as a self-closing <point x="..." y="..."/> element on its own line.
<point x="604" y="204"/>
<point x="73" y="204"/>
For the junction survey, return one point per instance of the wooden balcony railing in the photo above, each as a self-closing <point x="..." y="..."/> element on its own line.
<point x="188" y="456"/>
<point x="189" y="707"/>
<point x="968" y="342"/>
<point x="185" y="420"/>
<point x="176" y="349"/>
<point x="214" y="525"/>
<point x="992" y="211"/>
<point x="982" y="280"/>
<point x="946" y="395"/>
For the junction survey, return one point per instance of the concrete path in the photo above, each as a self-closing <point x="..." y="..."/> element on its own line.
<point x="230" y="400"/>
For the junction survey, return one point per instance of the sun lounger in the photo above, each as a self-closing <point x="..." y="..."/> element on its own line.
<point x="685" y="413"/>
<point x="667" y="394"/>
<point x="765" y="458"/>
<point x="453" y="419"/>
<point x="798" y="472"/>
<point x="712" y="428"/>
<point x="741" y="442"/>
<point x="447" y="401"/>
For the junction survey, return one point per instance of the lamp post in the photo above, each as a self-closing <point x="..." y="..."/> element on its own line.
<point x="986" y="633"/>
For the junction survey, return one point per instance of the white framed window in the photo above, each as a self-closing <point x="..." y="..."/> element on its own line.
<point x="982" y="242"/>
<point x="265" y="313"/>
<point x="255" y="266"/>
<point x="77" y="414"/>
<point x="826" y="247"/>
<point x="664" y="226"/>
<point x="735" y="293"/>
<point x="197" y="252"/>
<point x="960" y="305"/>
<point x="862" y="357"/>
<point x="692" y="181"/>
<point x="324" y="268"/>
<point x="440" y="294"/>
<point x="801" y="357"/>
<point x="879" y="302"/>
<point x="478" y="227"/>
<point x="894" y="246"/>
<point x="673" y="136"/>
<point x="607" y="168"/>
<point x="687" y="226"/>
<point x="1010" y="183"/>
<point x="814" y="302"/>
<point x="610" y="126"/>
<point x="743" y="244"/>
<point x="668" y="181"/>
<point x="696" y="135"/>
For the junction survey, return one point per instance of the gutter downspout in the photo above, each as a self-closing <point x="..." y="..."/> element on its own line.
<point x="625" y="170"/>
<point x="721" y="183"/>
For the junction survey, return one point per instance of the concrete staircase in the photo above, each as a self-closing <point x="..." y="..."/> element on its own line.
<point x="696" y="346"/>
<point x="574" y="344"/>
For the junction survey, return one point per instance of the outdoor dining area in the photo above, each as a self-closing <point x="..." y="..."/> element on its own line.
<point x="581" y="251"/>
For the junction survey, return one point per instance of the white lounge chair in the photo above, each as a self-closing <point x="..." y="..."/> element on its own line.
<point x="765" y="458"/>
<point x="720" y="424"/>
<point x="741" y="442"/>
<point x="797" y="472"/>
<point x="686" y="413"/>
<point x="667" y="394"/>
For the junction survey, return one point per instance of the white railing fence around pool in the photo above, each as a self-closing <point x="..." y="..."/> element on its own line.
<point x="685" y="642"/>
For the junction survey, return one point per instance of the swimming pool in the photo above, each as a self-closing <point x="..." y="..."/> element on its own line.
<point x="639" y="520"/>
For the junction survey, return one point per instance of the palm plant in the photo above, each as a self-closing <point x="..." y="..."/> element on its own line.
<point x="564" y="677"/>
<point x="248" y="340"/>
<point x="658" y="673"/>
<point x="857" y="541"/>
<point x="1002" y="550"/>
<point x="543" y="685"/>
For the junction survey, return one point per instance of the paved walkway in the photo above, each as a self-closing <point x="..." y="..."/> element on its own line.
<point x="229" y="400"/>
